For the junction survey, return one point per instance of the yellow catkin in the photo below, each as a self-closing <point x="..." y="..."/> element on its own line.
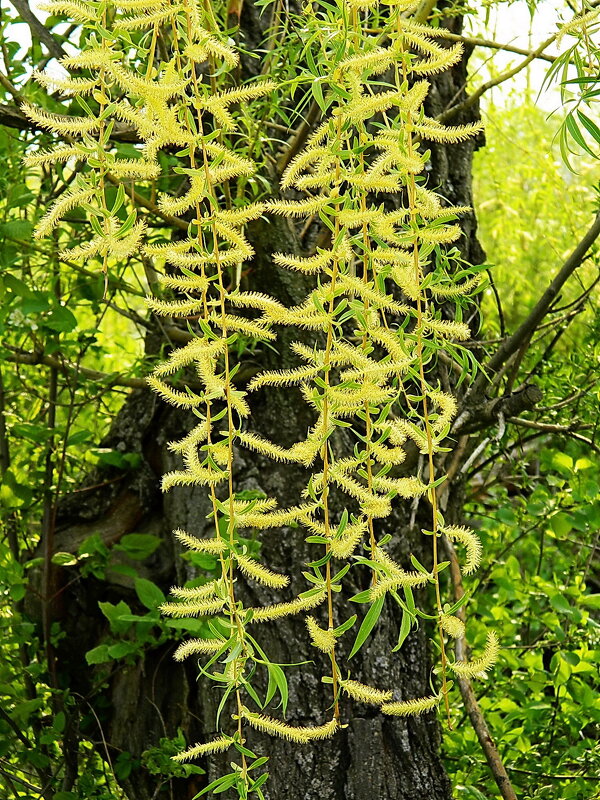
<point x="253" y="569"/>
<point x="323" y="640"/>
<point x="364" y="693"/>
<point x="277" y="610"/>
<point x="479" y="667"/>
<point x="216" y="746"/>
<point x="197" y="647"/>
<point x="471" y="542"/>
<point x="275" y="727"/>
<point x="453" y="626"/>
<point x="406" y="708"/>
<point x="196" y="608"/>
<point x="397" y="580"/>
<point x="196" y="592"/>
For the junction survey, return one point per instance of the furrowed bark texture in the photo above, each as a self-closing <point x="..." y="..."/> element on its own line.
<point x="374" y="757"/>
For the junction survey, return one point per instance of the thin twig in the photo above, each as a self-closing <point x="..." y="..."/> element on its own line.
<point x="492" y="755"/>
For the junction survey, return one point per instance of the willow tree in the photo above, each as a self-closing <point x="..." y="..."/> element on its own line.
<point x="301" y="222"/>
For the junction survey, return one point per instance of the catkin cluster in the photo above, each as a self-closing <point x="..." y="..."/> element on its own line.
<point x="374" y="312"/>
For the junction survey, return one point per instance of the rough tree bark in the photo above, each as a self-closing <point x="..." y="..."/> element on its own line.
<point x="373" y="757"/>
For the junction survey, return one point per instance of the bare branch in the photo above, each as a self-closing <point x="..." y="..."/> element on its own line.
<point x="38" y="30"/>
<point x="512" y="344"/>
<point x="300" y="136"/>
<point x="476" y="41"/>
<point x="541" y="308"/>
<point x="508" y="405"/>
<point x="492" y="755"/>
<point x="115" y="379"/>
<point x="504" y="76"/>
<point x="12" y="117"/>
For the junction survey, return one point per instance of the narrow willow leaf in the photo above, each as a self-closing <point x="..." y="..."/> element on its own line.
<point x="367" y="625"/>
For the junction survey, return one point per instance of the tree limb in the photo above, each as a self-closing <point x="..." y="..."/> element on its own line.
<point x="539" y="311"/>
<point x="38" y="30"/>
<point x="116" y="379"/>
<point x="295" y="145"/>
<point x="476" y="41"/>
<point x="473" y="98"/>
<point x="492" y="755"/>
<point x="13" y="117"/>
<point x="513" y="343"/>
<point x="509" y="405"/>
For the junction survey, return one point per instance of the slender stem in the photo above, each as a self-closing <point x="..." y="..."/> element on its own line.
<point x="365" y="276"/>
<point x="421" y="307"/>
<point x="325" y="447"/>
<point x="227" y="571"/>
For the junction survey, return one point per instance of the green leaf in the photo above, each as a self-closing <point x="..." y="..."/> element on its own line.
<point x="139" y="546"/>
<point x="277" y="681"/>
<point x="589" y="125"/>
<point x="317" y="91"/>
<point x="405" y="626"/>
<point x="113" y="614"/>
<point x="64" y="559"/>
<point x="122" y="649"/>
<point x="149" y="594"/>
<point x="98" y="655"/>
<point x="61" y="320"/>
<point x="345" y="626"/>
<point x="367" y="625"/>
<point x="220" y="785"/>
<point x="590" y="600"/>
<point x="258" y="763"/>
<point x="361" y="597"/>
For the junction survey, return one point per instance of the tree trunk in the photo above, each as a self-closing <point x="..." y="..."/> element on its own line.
<point x="372" y="757"/>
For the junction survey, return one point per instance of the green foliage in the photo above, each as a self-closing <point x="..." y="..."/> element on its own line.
<point x="544" y="705"/>
<point x="528" y="220"/>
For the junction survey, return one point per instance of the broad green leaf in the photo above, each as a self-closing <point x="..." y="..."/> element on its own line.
<point x="149" y="594"/>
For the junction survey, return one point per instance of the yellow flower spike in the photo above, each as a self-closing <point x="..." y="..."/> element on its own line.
<point x="471" y="542"/>
<point x="302" y="735"/>
<point x="70" y="199"/>
<point x="214" y="546"/>
<point x="193" y="647"/>
<point x="298" y="208"/>
<point x="453" y="626"/>
<point x="406" y="708"/>
<point x="277" y="610"/>
<point x="323" y="640"/>
<point x="141" y="21"/>
<point x="194" y="593"/>
<point x="479" y="667"/>
<point x="365" y="694"/>
<point x="215" y="746"/>
<point x="192" y="608"/>
<point x="173" y="396"/>
<point x="397" y="580"/>
<point x="75" y="10"/>
<point x="253" y="569"/>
